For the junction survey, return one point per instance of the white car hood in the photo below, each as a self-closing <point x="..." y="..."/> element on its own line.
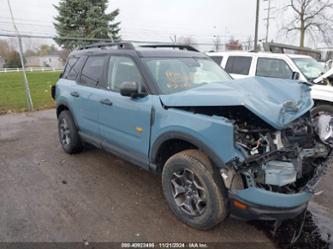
<point x="325" y="75"/>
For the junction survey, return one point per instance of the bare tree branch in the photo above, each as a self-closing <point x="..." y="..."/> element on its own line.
<point x="311" y="16"/>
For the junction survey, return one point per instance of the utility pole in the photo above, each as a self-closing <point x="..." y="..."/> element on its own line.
<point x="268" y="18"/>
<point x="26" y="82"/>
<point x="256" y="26"/>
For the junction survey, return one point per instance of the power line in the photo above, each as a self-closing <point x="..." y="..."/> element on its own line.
<point x="53" y="37"/>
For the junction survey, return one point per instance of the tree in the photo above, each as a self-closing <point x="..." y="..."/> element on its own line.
<point x="46" y="49"/>
<point x="10" y="55"/>
<point x="233" y="45"/>
<point x="30" y="52"/>
<point x="12" y="60"/>
<point x="4" y="48"/>
<point x="87" y="19"/>
<point x="187" y="41"/>
<point x="310" y="17"/>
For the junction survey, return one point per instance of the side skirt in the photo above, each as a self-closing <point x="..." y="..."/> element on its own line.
<point x="115" y="150"/>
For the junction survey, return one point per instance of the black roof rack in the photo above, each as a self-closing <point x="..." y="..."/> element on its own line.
<point x="119" y="45"/>
<point x="129" y="45"/>
<point x="179" y="46"/>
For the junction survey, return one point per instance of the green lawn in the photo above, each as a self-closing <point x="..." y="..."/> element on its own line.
<point x="12" y="91"/>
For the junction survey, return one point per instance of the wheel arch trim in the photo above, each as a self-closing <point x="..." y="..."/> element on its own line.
<point x="171" y="135"/>
<point x="65" y="104"/>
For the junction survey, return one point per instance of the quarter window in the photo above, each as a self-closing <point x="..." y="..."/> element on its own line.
<point x="122" y="69"/>
<point x="238" y="65"/>
<point x="92" y="71"/>
<point x="274" y="68"/>
<point x="73" y="73"/>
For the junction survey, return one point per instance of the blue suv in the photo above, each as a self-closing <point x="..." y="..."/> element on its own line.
<point x="247" y="148"/>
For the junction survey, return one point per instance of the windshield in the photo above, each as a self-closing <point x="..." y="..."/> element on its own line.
<point x="311" y="68"/>
<point x="179" y="74"/>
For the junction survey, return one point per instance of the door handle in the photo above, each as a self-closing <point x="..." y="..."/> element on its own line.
<point x="106" y="102"/>
<point x="75" y="94"/>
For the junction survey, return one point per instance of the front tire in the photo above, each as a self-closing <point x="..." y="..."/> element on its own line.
<point x="68" y="133"/>
<point x="191" y="190"/>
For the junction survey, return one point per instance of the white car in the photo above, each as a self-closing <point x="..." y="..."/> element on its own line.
<point x="241" y="64"/>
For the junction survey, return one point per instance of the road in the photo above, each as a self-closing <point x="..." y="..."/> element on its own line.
<point x="47" y="195"/>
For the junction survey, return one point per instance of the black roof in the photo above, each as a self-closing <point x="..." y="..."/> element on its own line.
<point x="154" y="50"/>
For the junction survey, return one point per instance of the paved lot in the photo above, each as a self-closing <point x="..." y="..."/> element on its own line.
<point x="47" y="195"/>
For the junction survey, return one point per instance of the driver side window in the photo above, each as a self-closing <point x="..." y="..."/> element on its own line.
<point x="122" y="69"/>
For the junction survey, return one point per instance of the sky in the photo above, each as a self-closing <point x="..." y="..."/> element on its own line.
<point x="157" y="20"/>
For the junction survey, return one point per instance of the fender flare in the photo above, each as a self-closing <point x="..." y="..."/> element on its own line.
<point x="187" y="138"/>
<point x="65" y="103"/>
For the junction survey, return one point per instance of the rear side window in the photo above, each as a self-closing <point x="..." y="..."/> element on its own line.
<point x="217" y="59"/>
<point x="70" y="64"/>
<point x="274" y="68"/>
<point x="238" y="65"/>
<point x="92" y="70"/>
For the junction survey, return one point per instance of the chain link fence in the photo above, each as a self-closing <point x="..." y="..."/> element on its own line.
<point x="43" y="69"/>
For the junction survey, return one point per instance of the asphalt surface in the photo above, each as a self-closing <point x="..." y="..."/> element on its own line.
<point x="47" y="195"/>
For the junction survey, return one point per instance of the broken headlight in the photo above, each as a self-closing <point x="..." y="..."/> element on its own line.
<point x="324" y="128"/>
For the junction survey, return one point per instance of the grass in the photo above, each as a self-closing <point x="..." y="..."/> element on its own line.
<point x="12" y="90"/>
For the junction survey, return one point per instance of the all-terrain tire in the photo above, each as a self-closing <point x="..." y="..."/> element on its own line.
<point x="179" y="168"/>
<point x="68" y="133"/>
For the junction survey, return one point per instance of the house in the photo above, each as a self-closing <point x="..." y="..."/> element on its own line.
<point x="53" y="60"/>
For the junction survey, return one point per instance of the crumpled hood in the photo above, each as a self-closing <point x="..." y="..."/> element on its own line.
<point x="277" y="102"/>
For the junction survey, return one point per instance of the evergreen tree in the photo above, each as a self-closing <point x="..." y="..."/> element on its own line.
<point x="84" y="18"/>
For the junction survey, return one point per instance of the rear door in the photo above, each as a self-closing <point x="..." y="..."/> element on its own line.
<point x="88" y="95"/>
<point x="238" y="66"/>
<point x="125" y="121"/>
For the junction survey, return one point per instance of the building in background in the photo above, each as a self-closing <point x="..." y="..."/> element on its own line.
<point x="53" y="59"/>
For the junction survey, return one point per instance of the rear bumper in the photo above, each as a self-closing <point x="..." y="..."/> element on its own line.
<point x="259" y="204"/>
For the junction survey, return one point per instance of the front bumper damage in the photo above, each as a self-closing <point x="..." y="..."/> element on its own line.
<point x="254" y="203"/>
<point x="259" y="204"/>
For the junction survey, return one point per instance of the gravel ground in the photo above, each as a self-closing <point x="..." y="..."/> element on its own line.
<point x="47" y="195"/>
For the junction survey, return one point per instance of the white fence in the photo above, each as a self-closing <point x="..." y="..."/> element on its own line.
<point x="31" y="69"/>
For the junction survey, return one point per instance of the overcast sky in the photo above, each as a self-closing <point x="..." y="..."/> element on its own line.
<point x="157" y="20"/>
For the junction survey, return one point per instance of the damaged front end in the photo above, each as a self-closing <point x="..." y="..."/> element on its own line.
<point x="281" y="167"/>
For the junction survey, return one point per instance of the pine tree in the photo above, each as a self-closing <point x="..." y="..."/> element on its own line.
<point x="84" y="18"/>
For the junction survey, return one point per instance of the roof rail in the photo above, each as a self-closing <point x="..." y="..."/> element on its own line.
<point x="179" y="46"/>
<point x="119" y="45"/>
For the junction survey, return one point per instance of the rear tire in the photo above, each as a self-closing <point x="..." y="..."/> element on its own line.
<point x="191" y="190"/>
<point x="68" y="133"/>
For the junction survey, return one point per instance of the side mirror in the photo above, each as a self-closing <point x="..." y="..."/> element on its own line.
<point x="295" y="76"/>
<point x="328" y="64"/>
<point x="130" y="89"/>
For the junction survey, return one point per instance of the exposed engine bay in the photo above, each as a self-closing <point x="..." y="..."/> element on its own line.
<point x="286" y="161"/>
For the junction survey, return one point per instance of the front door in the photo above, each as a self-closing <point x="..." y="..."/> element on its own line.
<point x="125" y="121"/>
